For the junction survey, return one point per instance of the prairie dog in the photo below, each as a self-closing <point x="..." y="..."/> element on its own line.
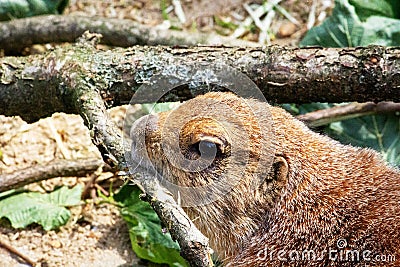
<point x="276" y="193"/>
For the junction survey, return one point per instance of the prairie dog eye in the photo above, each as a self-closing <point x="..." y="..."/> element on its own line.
<point x="210" y="148"/>
<point x="207" y="148"/>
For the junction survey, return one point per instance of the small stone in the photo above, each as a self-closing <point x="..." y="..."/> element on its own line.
<point x="55" y="243"/>
<point x="287" y="29"/>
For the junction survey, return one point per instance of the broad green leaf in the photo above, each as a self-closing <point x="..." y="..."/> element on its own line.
<point x="367" y="8"/>
<point x="395" y="7"/>
<point x="147" y="238"/>
<point x="47" y="210"/>
<point x="342" y="29"/>
<point x="381" y="31"/>
<point x="380" y="132"/>
<point x="10" y="9"/>
<point x="345" y="29"/>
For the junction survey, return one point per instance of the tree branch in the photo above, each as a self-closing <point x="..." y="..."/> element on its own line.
<point x="15" y="251"/>
<point x="56" y="168"/>
<point x="349" y="111"/>
<point x="18" y="34"/>
<point x="284" y="75"/>
<point x="107" y="137"/>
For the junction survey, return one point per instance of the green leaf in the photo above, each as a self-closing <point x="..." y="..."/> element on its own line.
<point x="345" y="29"/>
<point x="10" y="9"/>
<point x="158" y="107"/>
<point x="341" y="29"/>
<point x="395" y="7"/>
<point x="225" y="24"/>
<point x="381" y="31"/>
<point x="305" y="108"/>
<point x="147" y="238"/>
<point x="367" y="8"/>
<point x="297" y="109"/>
<point x="47" y="210"/>
<point x="380" y="132"/>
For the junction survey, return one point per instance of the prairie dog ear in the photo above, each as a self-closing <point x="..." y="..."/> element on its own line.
<point x="280" y="169"/>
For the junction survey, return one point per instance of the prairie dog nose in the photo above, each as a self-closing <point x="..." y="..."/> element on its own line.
<point x="143" y="128"/>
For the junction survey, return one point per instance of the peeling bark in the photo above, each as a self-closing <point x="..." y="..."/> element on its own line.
<point x="34" y="87"/>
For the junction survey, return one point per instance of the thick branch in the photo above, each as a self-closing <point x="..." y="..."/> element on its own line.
<point x="18" y="34"/>
<point x="31" y="87"/>
<point x="57" y="168"/>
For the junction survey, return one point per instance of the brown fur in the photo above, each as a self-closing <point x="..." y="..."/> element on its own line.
<point x="317" y="191"/>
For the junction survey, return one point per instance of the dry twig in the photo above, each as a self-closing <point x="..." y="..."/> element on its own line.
<point x="18" y="34"/>
<point x="352" y="110"/>
<point x="13" y="250"/>
<point x="56" y="168"/>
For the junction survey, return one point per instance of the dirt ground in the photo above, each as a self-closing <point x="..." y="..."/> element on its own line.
<point x="96" y="235"/>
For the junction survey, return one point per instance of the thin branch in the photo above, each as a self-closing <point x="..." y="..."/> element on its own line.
<point x="13" y="250"/>
<point x="311" y="15"/>
<point x="56" y="168"/>
<point x="352" y="110"/>
<point x="17" y="34"/>
<point x="89" y="186"/>
<point x="245" y="25"/>
<point x="286" y="14"/>
<point x="60" y="144"/>
<point x="179" y="11"/>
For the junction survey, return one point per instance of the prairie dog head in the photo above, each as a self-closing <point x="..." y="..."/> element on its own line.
<point x="216" y="153"/>
<point x="210" y="144"/>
